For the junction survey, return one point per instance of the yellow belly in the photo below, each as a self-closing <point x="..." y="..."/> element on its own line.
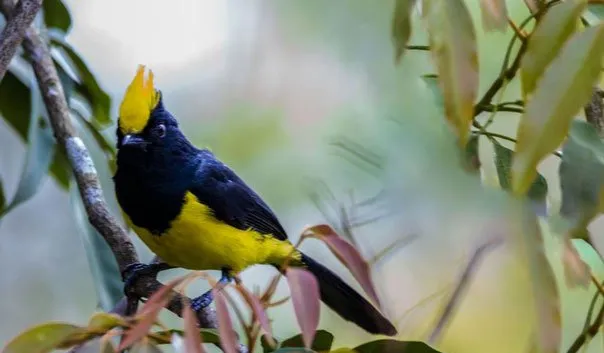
<point x="198" y="241"/>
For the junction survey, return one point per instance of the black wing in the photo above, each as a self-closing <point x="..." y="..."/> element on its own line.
<point x="231" y="200"/>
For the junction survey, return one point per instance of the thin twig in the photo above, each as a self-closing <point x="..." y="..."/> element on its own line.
<point x="21" y="16"/>
<point x="418" y="47"/>
<point x="591" y="331"/>
<point x="462" y="285"/>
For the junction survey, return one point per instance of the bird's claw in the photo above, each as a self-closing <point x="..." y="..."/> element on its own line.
<point x="203" y="301"/>
<point x="135" y="270"/>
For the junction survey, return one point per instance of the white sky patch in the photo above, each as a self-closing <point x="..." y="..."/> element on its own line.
<point x="116" y="35"/>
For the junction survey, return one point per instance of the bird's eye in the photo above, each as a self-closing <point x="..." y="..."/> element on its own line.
<point x="160" y="130"/>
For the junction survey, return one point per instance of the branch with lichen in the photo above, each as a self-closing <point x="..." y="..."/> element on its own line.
<point x="23" y="14"/>
<point x="86" y="175"/>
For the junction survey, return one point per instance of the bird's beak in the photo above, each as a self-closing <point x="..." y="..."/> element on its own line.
<point x="133" y="140"/>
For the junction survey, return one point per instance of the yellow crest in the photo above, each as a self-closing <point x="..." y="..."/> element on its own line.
<point x="138" y="102"/>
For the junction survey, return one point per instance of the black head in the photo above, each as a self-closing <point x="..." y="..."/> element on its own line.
<point x="160" y="145"/>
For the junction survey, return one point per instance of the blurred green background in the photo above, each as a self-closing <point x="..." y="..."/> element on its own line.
<point x="268" y="85"/>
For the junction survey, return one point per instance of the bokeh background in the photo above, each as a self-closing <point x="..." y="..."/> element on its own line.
<point x="268" y="86"/>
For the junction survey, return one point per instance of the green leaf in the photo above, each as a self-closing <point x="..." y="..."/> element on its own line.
<point x="60" y="169"/>
<point x="15" y="104"/>
<point x="105" y="272"/>
<point x="208" y="335"/>
<point x="322" y="342"/>
<point x="98" y="136"/>
<point x="88" y="87"/>
<point x="555" y="28"/>
<point x="594" y="14"/>
<point x="543" y="282"/>
<point x="38" y="157"/>
<point x="103" y="321"/>
<point x="494" y="15"/>
<point x="56" y="15"/>
<point x="294" y="350"/>
<point x="503" y="164"/>
<point x="266" y="347"/>
<point x="43" y="338"/>
<point x="453" y="47"/>
<point x="581" y="175"/>
<point x="564" y="89"/>
<point x="387" y="345"/>
<point x="401" y="26"/>
<point x="472" y="154"/>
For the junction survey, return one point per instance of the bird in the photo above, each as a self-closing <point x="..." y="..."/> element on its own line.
<point x="194" y="212"/>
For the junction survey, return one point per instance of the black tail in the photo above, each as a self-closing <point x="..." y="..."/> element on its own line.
<point x="346" y="302"/>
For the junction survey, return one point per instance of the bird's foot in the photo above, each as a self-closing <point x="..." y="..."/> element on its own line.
<point x="136" y="270"/>
<point x="201" y="302"/>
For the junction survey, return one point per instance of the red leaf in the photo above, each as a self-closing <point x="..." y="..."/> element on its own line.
<point x="192" y="337"/>
<point x="349" y="256"/>
<point x="305" y="295"/>
<point x="148" y="313"/>
<point x="254" y="303"/>
<point x="494" y="14"/>
<point x="228" y="341"/>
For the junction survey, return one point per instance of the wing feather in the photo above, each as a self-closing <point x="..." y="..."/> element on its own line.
<point x="232" y="201"/>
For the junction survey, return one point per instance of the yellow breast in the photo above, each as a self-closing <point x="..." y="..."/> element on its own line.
<point x="196" y="240"/>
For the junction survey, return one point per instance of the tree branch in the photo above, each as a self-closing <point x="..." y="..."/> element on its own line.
<point x="85" y="172"/>
<point x="12" y="35"/>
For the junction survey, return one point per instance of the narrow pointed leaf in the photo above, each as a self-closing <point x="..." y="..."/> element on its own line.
<point x="42" y="338"/>
<point x="349" y="257"/>
<point x="322" y="342"/>
<point x="576" y="271"/>
<point x="148" y="313"/>
<point x="226" y="331"/>
<point x="101" y="261"/>
<point x="387" y="345"/>
<point x="305" y="295"/>
<point x="453" y="47"/>
<point x="15" y="104"/>
<point x="255" y="305"/>
<point x="267" y="347"/>
<point x="56" y="15"/>
<point x="401" y="26"/>
<point x="494" y="14"/>
<point x="207" y="335"/>
<point x="41" y="146"/>
<point x="472" y="154"/>
<point x="102" y="321"/>
<point x="88" y="87"/>
<point x="192" y="337"/>
<point x="555" y="28"/>
<point x="503" y="165"/>
<point x="544" y="287"/>
<point x="564" y="89"/>
<point x="60" y="169"/>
